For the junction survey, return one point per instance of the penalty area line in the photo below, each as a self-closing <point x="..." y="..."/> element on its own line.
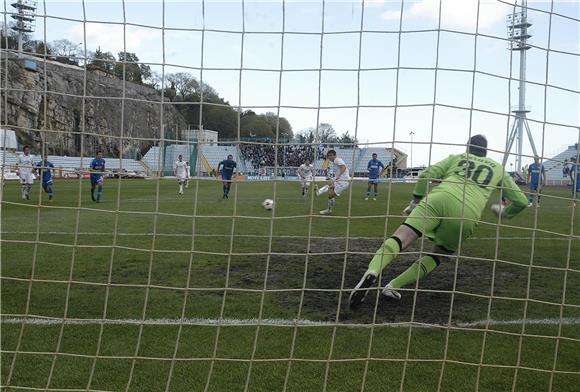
<point x="276" y="322"/>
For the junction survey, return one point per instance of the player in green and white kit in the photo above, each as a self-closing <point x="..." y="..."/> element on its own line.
<point x="447" y="216"/>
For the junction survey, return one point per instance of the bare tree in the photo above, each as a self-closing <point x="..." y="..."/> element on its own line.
<point x="65" y="51"/>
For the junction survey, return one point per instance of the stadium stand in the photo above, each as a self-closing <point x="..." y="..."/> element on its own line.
<point x="252" y="156"/>
<point x="555" y="165"/>
<point x="8" y="158"/>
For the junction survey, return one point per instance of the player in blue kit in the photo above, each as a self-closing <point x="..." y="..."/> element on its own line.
<point x="536" y="179"/>
<point x="97" y="173"/>
<point x="575" y="177"/>
<point x="45" y="169"/>
<point x="227" y="169"/>
<point x="374" y="168"/>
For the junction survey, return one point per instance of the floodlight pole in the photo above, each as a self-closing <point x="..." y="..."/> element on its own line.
<point x="411" y="157"/>
<point x="518" y="34"/>
<point x="24" y="16"/>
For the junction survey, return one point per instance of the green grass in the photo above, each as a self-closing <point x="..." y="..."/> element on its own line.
<point x="82" y="270"/>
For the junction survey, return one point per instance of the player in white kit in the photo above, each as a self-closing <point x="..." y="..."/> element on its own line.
<point x="306" y="174"/>
<point x="180" y="171"/>
<point x="336" y="185"/>
<point x="25" y="169"/>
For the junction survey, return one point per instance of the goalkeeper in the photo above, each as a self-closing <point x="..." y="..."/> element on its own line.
<point x="467" y="182"/>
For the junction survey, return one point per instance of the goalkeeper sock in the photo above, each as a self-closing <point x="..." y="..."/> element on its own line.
<point x="386" y="253"/>
<point x="418" y="270"/>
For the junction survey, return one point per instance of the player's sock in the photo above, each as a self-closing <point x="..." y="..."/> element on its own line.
<point x="531" y="198"/>
<point x="23" y="191"/>
<point x="376" y="194"/>
<point x="419" y="269"/>
<point x="368" y="193"/>
<point x="303" y="191"/>
<point x="331" y="203"/>
<point x="28" y="189"/>
<point x="539" y="199"/>
<point x="99" y="191"/>
<point x="180" y="188"/>
<point x="386" y="253"/>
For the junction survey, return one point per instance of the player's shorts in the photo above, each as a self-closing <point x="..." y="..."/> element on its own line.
<point x="305" y="182"/>
<point x="98" y="180"/>
<point x="27" y="179"/>
<point x="181" y="179"/>
<point x="439" y="218"/>
<point x="373" y="181"/>
<point x="46" y="184"/>
<point x="535" y="187"/>
<point x="340" y="186"/>
<point x="226" y="177"/>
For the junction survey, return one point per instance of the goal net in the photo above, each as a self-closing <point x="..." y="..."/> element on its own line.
<point x="141" y="138"/>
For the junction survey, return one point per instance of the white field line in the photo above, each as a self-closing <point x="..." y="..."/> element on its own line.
<point x="143" y="234"/>
<point x="275" y="322"/>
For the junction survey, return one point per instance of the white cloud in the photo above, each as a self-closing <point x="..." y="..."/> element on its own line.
<point x="454" y="13"/>
<point x="110" y="37"/>
<point x="391" y="15"/>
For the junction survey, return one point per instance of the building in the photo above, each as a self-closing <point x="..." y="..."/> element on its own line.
<point x="204" y="136"/>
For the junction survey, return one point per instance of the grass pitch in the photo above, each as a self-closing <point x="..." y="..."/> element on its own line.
<point x="146" y="253"/>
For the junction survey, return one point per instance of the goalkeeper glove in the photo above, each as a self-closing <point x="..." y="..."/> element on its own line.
<point x="407" y="211"/>
<point x="498" y="209"/>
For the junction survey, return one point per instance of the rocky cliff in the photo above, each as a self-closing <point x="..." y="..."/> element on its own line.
<point x="54" y="104"/>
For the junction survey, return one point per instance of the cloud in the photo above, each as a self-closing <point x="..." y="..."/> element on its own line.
<point x="391" y="15"/>
<point x="110" y="37"/>
<point x="454" y="13"/>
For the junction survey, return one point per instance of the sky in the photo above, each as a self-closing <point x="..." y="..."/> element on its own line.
<point x="340" y="62"/>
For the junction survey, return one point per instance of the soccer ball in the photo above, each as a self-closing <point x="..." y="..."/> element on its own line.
<point x="268" y="204"/>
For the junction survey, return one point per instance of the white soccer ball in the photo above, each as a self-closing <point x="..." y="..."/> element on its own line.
<point x="497" y="209"/>
<point x="268" y="204"/>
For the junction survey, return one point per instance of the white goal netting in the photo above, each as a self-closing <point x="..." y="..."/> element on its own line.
<point x="138" y="276"/>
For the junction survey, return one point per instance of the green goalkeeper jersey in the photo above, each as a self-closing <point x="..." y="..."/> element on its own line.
<point x="471" y="179"/>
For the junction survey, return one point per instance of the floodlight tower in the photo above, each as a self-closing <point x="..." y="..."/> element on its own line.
<point x="24" y="17"/>
<point x="518" y="26"/>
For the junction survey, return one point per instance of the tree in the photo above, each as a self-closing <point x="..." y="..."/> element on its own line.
<point x="185" y="84"/>
<point x="255" y="126"/>
<point x="155" y="80"/>
<point x="133" y="71"/>
<point x="103" y="60"/>
<point x="65" y="51"/>
<point x="326" y="133"/>
<point x="284" y="127"/>
<point x="306" y="136"/>
<point x="348" y="141"/>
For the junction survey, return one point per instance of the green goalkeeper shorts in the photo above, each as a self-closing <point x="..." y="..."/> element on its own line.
<point x="439" y="218"/>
